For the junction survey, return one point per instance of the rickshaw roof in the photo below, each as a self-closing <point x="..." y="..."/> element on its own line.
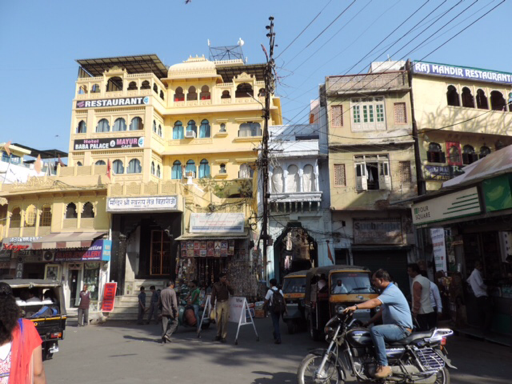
<point x="336" y="268"/>
<point x="31" y="283"/>
<point x="297" y="274"/>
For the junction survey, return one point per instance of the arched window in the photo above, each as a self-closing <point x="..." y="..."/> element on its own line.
<point x="132" y="86"/>
<point x="277" y="180"/>
<point x="88" y="211"/>
<point x="192" y="127"/>
<point x="468" y="100"/>
<point x="499" y="145"/>
<point x="176" y="170"/>
<point x="244" y="90"/>
<point x="162" y="95"/>
<point x="204" y="129"/>
<point x="160" y="130"/>
<point x="435" y="154"/>
<point x="205" y="93"/>
<point x="158" y="174"/>
<point x="261" y="92"/>
<point x="155" y="88"/>
<point x="82" y="127"/>
<point x="222" y="168"/>
<point x="468" y="155"/>
<point x="114" y="84"/>
<point x="177" y="131"/>
<point x="119" y="125"/>
<point x="95" y="88"/>
<point x="190" y="169"/>
<point x="71" y="211"/>
<point x="134" y="166"/>
<point x="118" y="167"/>
<point x="30" y="216"/>
<point x="453" y="96"/>
<point x="16" y="218"/>
<point x="152" y="167"/>
<point x="145" y="85"/>
<point x="249" y="129"/>
<point x="45" y="220"/>
<point x="454" y="155"/>
<point x="79" y="164"/>
<point x="178" y="95"/>
<point x="498" y="102"/>
<point x="103" y="126"/>
<point x="308" y="179"/>
<point x="100" y="162"/>
<point x="136" y="124"/>
<point x="82" y="90"/>
<point x="484" y="151"/>
<point x="225" y="95"/>
<point x="481" y="100"/>
<point x="292" y="179"/>
<point x="245" y="172"/>
<point x="204" y="169"/>
<point x="192" y="94"/>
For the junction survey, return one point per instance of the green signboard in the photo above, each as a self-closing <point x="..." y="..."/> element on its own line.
<point x="497" y="193"/>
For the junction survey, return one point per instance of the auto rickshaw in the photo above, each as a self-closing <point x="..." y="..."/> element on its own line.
<point x="331" y="286"/>
<point x="46" y="309"/>
<point x="294" y="290"/>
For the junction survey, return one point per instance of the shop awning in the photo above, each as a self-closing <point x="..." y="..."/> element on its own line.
<point x="214" y="236"/>
<point x="67" y="240"/>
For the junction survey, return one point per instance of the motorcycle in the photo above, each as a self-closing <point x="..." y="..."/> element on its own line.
<point x="419" y="358"/>
<point x="184" y="314"/>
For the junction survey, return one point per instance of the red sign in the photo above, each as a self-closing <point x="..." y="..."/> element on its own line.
<point x="109" y="297"/>
<point x="15" y="247"/>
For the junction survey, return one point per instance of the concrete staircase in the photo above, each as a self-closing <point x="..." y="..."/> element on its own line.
<point x="126" y="306"/>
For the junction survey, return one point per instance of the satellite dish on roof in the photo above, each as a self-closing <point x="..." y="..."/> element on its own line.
<point x="241" y="42"/>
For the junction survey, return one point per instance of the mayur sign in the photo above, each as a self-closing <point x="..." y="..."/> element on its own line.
<point x="435" y="69"/>
<point x="110" y="143"/>
<point x="126" y="101"/>
<point x="443" y="208"/>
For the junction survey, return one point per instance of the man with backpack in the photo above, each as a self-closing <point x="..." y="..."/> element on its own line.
<point x="274" y="302"/>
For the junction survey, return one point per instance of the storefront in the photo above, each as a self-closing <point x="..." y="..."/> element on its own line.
<point x="471" y="222"/>
<point x="217" y="243"/>
<point x="74" y="258"/>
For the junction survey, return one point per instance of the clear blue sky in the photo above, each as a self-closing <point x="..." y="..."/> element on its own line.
<point x="40" y="41"/>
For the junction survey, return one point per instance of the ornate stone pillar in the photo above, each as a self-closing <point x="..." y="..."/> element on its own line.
<point x="300" y="187"/>
<point x="285" y="177"/>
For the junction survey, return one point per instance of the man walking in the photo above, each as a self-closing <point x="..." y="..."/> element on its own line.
<point x="142" y="306"/>
<point x="479" y="289"/>
<point x="153" y="304"/>
<point x="273" y="298"/>
<point x="422" y="309"/>
<point x="169" y="305"/>
<point x="83" y="307"/>
<point x="220" y="295"/>
<point x="395" y="315"/>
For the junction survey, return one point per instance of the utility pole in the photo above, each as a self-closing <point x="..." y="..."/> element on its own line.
<point x="269" y="89"/>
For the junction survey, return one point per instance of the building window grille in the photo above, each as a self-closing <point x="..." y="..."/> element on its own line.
<point x="400" y="113"/>
<point x="339" y="175"/>
<point x="337" y="115"/>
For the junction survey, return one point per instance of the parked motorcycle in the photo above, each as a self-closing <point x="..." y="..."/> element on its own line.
<point x="419" y="358"/>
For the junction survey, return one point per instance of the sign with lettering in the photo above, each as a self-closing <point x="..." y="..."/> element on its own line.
<point x="446" y="207"/>
<point x="17" y="244"/>
<point x="109" y="297"/>
<point x="217" y="223"/>
<point x="125" y="101"/>
<point x="377" y="232"/>
<point x="439" y="248"/>
<point x="110" y="143"/>
<point x="100" y="250"/>
<point x="142" y="204"/>
<point x="435" y="69"/>
<point x="441" y="172"/>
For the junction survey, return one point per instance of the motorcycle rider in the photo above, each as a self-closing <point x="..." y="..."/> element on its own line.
<point x="395" y="314"/>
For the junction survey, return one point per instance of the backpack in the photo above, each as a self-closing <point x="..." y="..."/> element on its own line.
<point x="278" y="303"/>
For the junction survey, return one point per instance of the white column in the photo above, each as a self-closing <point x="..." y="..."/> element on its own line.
<point x="285" y="176"/>
<point x="316" y="172"/>
<point x="301" y="180"/>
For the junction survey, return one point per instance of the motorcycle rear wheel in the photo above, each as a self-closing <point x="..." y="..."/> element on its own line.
<point x="443" y="376"/>
<point x="309" y="366"/>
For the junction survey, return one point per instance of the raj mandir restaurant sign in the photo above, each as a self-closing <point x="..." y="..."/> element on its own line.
<point x="142" y="204"/>
<point x="435" y="69"/>
<point x="447" y="207"/>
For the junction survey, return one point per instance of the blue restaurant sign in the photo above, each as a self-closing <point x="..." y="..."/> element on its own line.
<point x="468" y="73"/>
<point x="98" y="251"/>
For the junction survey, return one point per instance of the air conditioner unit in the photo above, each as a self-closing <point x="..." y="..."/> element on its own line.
<point x="48" y="255"/>
<point x="190" y="135"/>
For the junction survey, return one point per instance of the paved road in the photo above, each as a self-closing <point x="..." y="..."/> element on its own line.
<point x="127" y="353"/>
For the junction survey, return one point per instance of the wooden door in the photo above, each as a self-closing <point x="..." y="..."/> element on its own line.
<point x="160" y="253"/>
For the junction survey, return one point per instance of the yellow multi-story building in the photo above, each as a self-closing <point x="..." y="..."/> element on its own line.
<point x="182" y="145"/>
<point x="371" y="166"/>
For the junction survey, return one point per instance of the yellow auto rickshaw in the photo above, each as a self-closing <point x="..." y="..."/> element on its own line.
<point x="294" y="290"/>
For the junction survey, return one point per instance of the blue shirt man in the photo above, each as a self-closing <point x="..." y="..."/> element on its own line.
<point x="395" y="314"/>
